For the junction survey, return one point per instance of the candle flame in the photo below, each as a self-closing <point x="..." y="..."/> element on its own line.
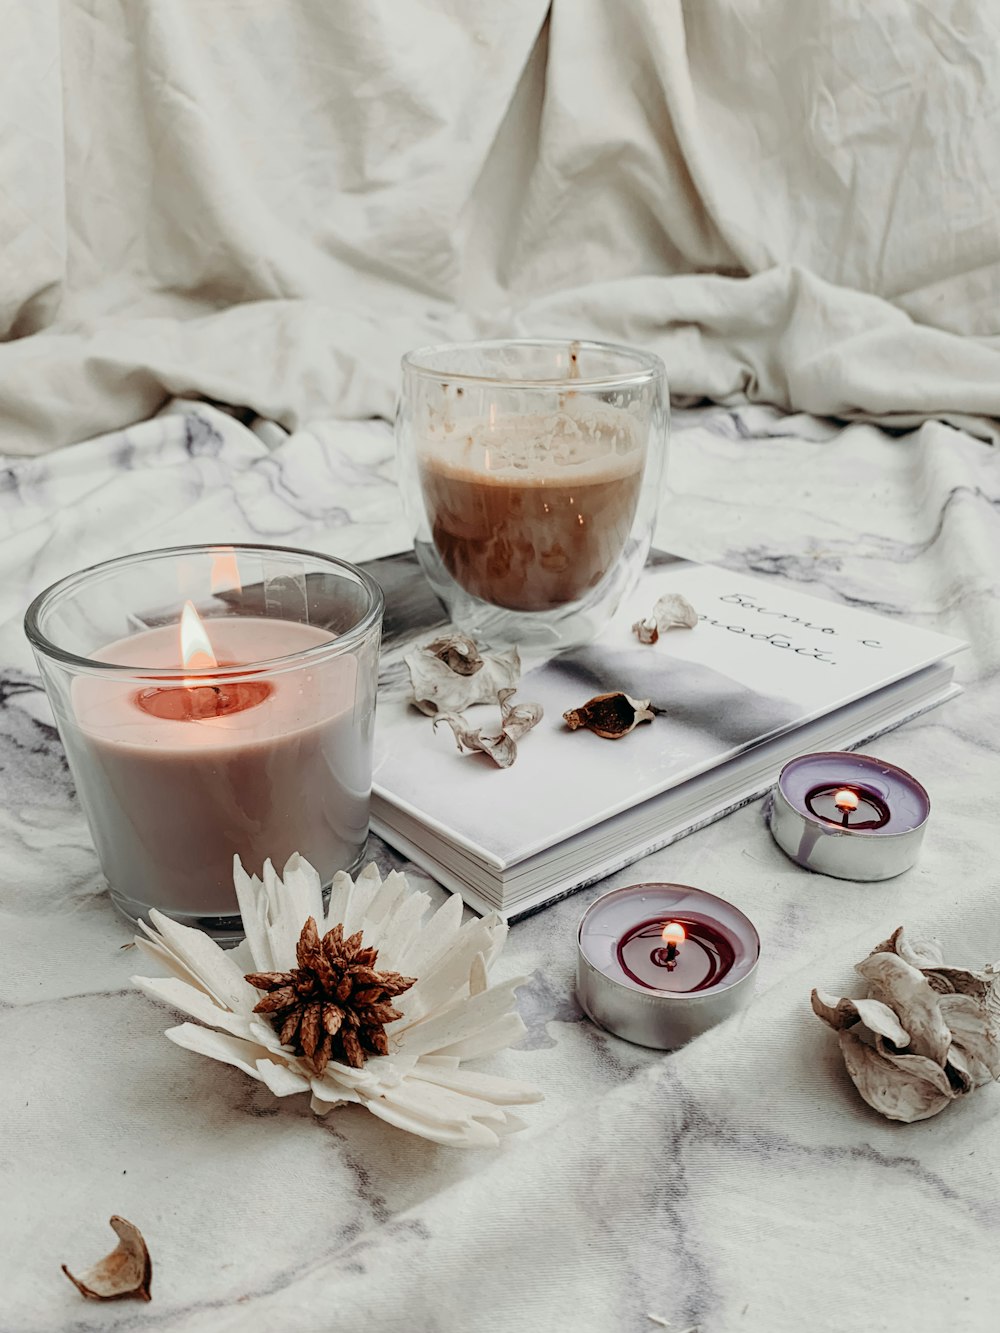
<point x="674" y="933"/>
<point x="196" y="646"/>
<point x="846" y="800"/>
<point x="225" y="571"/>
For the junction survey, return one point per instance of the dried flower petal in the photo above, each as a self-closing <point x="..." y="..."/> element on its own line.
<point x="905" y="991"/>
<point x="459" y="654"/>
<point x="918" y="953"/>
<point x="959" y="981"/>
<point x="877" y="1017"/>
<point x="974" y="1034"/>
<point x="450" y="674"/>
<point x="126" y="1271"/>
<point x="948" y="1017"/>
<point x="516" y="720"/>
<point x="900" y="1087"/>
<point x="672" y="611"/>
<point x="928" y="957"/>
<point x="895" y="1091"/>
<point x="609" y="715"/>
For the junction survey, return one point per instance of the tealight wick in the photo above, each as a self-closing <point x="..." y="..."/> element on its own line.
<point x="674" y="935"/>
<point x="847" y="802"/>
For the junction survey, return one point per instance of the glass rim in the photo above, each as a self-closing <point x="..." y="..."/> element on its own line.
<point x="335" y="647"/>
<point x="647" y="366"/>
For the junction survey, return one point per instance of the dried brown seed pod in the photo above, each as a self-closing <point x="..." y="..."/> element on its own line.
<point x="610" y="715"/>
<point x="646" y="631"/>
<point x="126" y="1271"/>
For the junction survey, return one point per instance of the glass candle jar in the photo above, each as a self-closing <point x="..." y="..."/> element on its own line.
<point x="213" y="701"/>
<point x="532" y="471"/>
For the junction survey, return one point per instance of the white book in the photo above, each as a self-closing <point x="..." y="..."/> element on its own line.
<point x="768" y="673"/>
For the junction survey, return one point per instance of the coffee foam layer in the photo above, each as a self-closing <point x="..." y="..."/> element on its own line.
<point x="595" y="445"/>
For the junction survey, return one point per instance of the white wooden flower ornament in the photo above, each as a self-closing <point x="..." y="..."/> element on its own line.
<point x="389" y="1033"/>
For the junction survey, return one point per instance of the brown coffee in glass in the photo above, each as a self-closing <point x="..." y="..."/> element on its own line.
<point x="532" y="472"/>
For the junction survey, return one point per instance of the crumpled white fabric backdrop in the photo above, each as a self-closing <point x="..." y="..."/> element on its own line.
<point x="358" y="177"/>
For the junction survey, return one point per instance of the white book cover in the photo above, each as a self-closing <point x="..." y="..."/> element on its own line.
<point x="762" y="661"/>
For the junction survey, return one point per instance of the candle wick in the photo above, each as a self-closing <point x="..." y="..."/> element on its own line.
<point x="671" y="957"/>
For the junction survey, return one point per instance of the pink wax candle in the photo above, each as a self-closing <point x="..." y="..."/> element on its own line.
<point x="247" y="734"/>
<point x="177" y="776"/>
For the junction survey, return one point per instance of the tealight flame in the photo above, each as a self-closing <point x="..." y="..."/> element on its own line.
<point x="196" y="646"/>
<point x="846" y="800"/>
<point x="674" y="933"/>
<point x="225" y="571"/>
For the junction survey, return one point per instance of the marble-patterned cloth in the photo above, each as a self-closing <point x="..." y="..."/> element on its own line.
<point x="738" y="1185"/>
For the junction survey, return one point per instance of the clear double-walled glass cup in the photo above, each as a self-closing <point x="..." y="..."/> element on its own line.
<point x="531" y="472"/>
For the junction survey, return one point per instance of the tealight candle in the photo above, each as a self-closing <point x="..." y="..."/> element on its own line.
<point x="848" y="815"/>
<point x="659" y="964"/>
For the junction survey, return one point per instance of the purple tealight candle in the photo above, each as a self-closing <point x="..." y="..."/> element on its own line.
<point x="659" y="964"/>
<point x="848" y="815"/>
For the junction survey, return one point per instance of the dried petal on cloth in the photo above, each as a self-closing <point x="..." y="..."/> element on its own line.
<point x="906" y="991"/>
<point x="609" y="715"/>
<point x="516" y="720"/>
<point x="896" y="1090"/>
<point x="877" y="1017"/>
<point x="946" y="1018"/>
<point x="126" y="1271"/>
<point x="450" y="674"/>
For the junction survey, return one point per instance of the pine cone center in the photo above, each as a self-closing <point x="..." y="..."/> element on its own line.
<point x="334" y="1005"/>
